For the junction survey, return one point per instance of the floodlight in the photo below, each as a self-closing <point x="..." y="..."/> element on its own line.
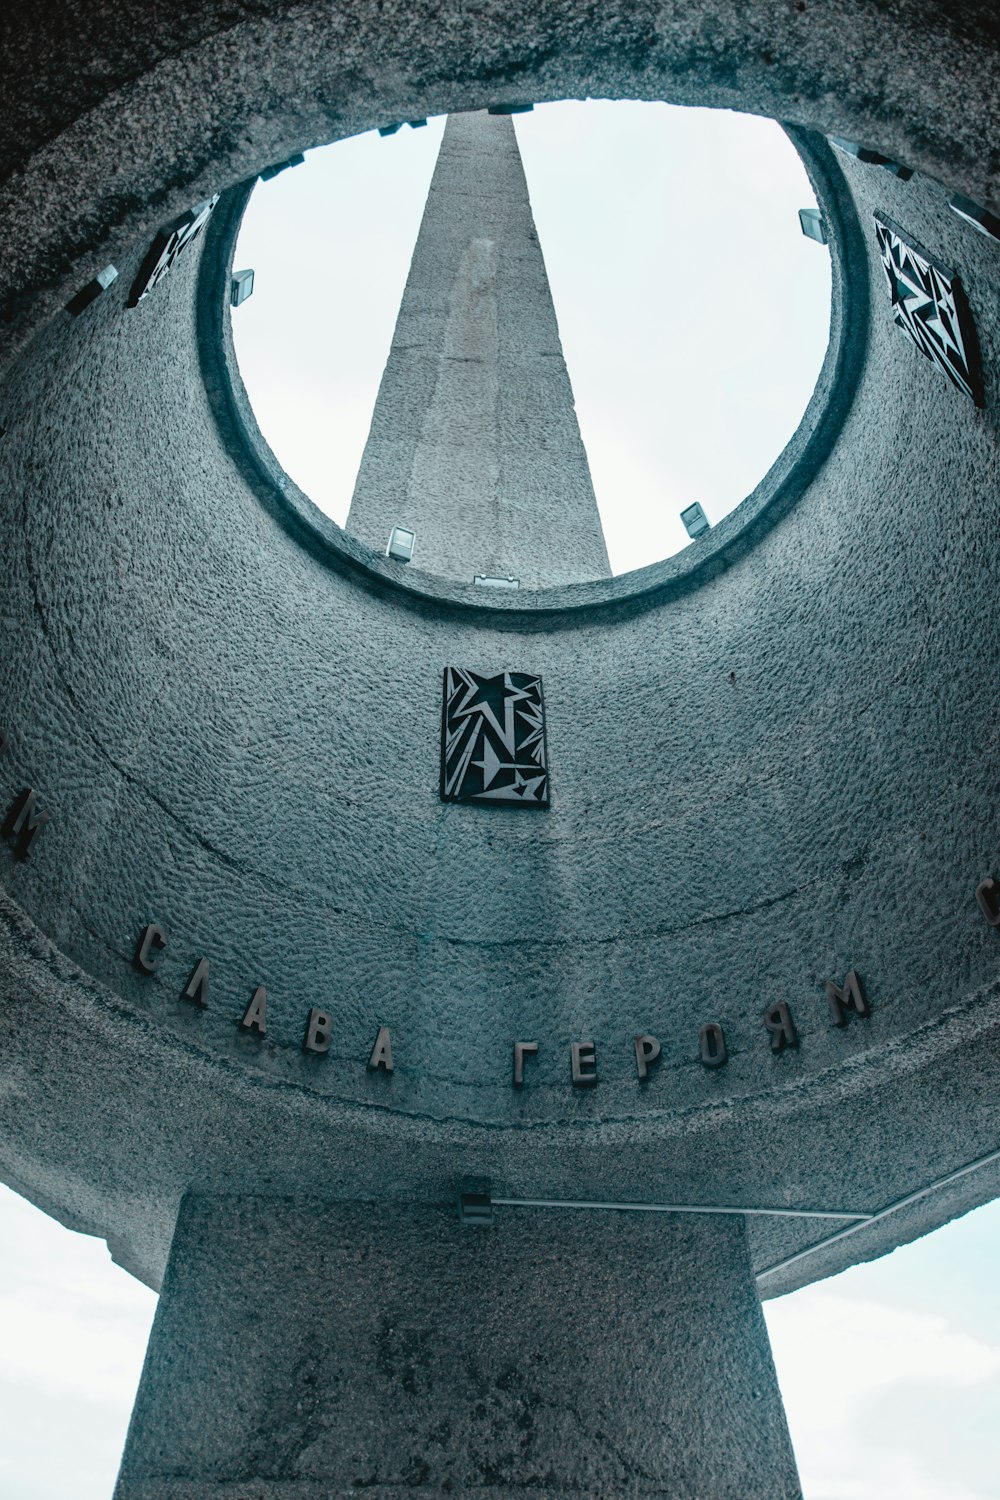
<point x="696" y="523"/>
<point x="401" y="541"/>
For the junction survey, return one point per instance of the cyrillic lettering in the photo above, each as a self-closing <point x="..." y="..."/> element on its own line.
<point x="851" y="996"/>
<point x="712" y="1042"/>
<point x="196" y="989"/>
<point x="381" y="1052"/>
<point x="647" y="1052"/>
<point x="25" y="822"/>
<point x="988" y="896"/>
<point x="521" y="1051"/>
<point x="153" y="938"/>
<point x="318" y="1031"/>
<point x="779" y="1023"/>
<point x="584" y="1064"/>
<point x="255" y="1015"/>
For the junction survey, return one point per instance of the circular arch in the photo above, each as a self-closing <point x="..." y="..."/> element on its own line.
<point x="642" y="588"/>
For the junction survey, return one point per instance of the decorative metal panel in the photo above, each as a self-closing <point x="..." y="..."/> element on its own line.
<point x="493" y="739"/>
<point x="929" y="305"/>
<point x="168" y="244"/>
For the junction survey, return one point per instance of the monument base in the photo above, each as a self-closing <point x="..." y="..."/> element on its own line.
<point x="305" y="1350"/>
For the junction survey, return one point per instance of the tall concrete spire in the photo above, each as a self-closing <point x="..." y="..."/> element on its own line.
<point x="474" y="442"/>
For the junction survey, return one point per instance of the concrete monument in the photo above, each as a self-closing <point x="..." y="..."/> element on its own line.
<point x="474" y="443"/>
<point x="463" y="1139"/>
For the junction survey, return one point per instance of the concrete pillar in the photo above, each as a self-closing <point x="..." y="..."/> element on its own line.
<point x="307" y="1351"/>
<point x="474" y="442"/>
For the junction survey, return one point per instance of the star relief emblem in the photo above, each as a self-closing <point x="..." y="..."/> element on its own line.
<point x="493" y="738"/>
<point x="928" y="305"/>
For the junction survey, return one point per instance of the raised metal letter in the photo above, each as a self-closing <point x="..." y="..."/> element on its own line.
<point x="521" y="1050"/>
<point x="584" y="1061"/>
<point x="255" y="1015"/>
<point x="152" y="937"/>
<point x="779" y="1023"/>
<point x="318" y="1029"/>
<point x="647" y="1052"/>
<point x="988" y="896"/>
<point x="25" y="822"/>
<point x="842" y="1000"/>
<point x="196" y="988"/>
<point x="381" y="1052"/>
<point x="712" y="1041"/>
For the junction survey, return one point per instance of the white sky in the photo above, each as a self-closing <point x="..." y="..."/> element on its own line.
<point x="694" y="319"/>
<point x="890" y="1372"/>
<point x="694" y="314"/>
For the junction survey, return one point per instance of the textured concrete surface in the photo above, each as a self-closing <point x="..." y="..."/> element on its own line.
<point x="764" y="772"/>
<point x="307" y="1350"/>
<point x="772" y="759"/>
<point x="111" y="128"/>
<point x="474" y="443"/>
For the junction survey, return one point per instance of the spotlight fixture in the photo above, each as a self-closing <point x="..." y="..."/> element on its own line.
<point x="696" y="523"/>
<point x="475" y="1210"/>
<point x="812" y="224"/>
<point x="241" y="288"/>
<point x="401" y="541"/>
<point x="89" y="293"/>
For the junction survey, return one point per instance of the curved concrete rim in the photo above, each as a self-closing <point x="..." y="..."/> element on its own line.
<point x="142" y="1045"/>
<point x="641" y="588"/>
<point x="195" y="652"/>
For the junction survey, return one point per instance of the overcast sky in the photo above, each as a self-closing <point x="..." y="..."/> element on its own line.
<point x="694" y="319"/>
<point x="890" y="1372"/>
<point x="694" y="315"/>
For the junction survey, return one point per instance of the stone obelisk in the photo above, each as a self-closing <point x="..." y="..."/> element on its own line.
<point x="474" y="443"/>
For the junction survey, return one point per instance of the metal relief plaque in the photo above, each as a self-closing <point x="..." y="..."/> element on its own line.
<point x="929" y="306"/>
<point x="493" y="739"/>
<point x="171" y="240"/>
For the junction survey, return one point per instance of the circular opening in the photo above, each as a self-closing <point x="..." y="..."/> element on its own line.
<point x="692" y="309"/>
